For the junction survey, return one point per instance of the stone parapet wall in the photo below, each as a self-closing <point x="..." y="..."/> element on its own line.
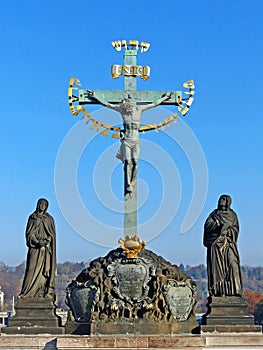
<point x="182" y="342"/>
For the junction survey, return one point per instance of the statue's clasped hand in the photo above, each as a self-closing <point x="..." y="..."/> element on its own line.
<point x="42" y="242"/>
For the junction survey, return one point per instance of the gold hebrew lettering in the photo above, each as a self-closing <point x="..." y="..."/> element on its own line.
<point x="134" y="43"/>
<point x="73" y="111"/>
<point x="144" y="46"/>
<point x="69" y="92"/>
<point x="104" y="132"/>
<point x="117" y="45"/>
<point x="124" y="43"/>
<point x="185" y="110"/>
<point x="189" y="84"/>
<point x="115" y="136"/>
<point x="107" y="126"/>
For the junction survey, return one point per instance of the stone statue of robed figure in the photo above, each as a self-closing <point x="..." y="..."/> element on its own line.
<point x="39" y="277"/>
<point x="35" y="306"/>
<point x="220" y="237"/>
<point x="227" y="309"/>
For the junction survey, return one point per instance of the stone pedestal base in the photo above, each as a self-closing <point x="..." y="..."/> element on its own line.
<point x="34" y="316"/>
<point x="133" y="327"/>
<point x="228" y="314"/>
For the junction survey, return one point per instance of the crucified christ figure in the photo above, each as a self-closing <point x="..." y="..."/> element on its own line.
<point x="129" y="150"/>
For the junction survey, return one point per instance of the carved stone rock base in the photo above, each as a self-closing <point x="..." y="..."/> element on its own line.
<point x="120" y="295"/>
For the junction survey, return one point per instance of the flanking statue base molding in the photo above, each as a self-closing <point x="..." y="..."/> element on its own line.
<point x="34" y="316"/>
<point x="228" y="314"/>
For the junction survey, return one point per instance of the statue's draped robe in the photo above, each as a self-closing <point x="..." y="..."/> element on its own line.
<point x="39" y="278"/>
<point x="223" y="263"/>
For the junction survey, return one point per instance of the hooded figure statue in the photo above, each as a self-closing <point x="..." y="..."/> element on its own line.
<point x="41" y="257"/>
<point x="220" y="238"/>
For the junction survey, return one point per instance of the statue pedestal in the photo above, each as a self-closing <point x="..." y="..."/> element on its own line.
<point x="34" y="316"/>
<point x="228" y="314"/>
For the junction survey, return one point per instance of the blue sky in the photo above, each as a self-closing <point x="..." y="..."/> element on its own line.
<point x="216" y="43"/>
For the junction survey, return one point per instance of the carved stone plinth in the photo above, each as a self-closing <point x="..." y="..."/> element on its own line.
<point x="34" y="316"/>
<point x="132" y="327"/>
<point x="228" y="314"/>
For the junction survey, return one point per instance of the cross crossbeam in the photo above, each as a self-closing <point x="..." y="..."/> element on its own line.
<point x="140" y="96"/>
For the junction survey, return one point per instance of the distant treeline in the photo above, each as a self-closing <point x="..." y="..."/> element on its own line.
<point x="11" y="279"/>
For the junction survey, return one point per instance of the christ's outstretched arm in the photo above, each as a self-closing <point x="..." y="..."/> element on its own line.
<point x="102" y="101"/>
<point x="155" y="103"/>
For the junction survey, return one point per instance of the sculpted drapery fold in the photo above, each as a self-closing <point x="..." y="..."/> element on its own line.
<point x="220" y="237"/>
<point x="41" y="257"/>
